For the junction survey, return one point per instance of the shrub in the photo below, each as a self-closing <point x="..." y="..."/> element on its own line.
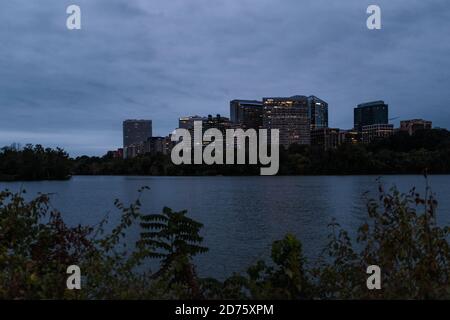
<point x="401" y="236"/>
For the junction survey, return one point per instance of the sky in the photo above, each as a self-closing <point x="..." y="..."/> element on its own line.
<point x="162" y="59"/>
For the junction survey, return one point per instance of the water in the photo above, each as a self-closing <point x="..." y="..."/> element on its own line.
<point x="242" y="215"/>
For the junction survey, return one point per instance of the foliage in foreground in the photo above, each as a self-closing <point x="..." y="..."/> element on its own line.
<point x="401" y="236"/>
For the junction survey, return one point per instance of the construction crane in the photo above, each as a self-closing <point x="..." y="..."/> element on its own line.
<point x="392" y="119"/>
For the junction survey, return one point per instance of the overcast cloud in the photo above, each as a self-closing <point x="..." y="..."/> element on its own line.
<point x="162" y="59"/>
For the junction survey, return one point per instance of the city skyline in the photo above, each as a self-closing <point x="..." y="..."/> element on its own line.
<point x="299" y="119"/>
<point x="159" y="61"/>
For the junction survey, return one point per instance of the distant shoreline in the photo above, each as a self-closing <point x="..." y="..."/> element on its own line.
<point x="225" y="176"/>
<point x="425" y="152"/>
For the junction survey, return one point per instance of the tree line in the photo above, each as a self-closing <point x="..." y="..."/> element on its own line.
<point x="426" y="150"/>
<point x="34" y="162"/>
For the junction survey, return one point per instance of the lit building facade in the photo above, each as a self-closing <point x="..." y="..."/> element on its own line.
<point x="290" y="116"/>
<point x="318" y="112"/>
<point x="376" y="131"/>
<point x="135" y="134"/>
<point x="246" y="114"/>
<point x="349" y="137"/>
<point x="216" y="122"/>
<point x="188" y="122"/>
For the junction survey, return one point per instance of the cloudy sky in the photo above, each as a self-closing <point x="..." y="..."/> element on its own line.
<point x="161" y="59"/>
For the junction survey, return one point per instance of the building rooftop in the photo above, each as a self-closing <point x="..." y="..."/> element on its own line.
<point x="316" y="98"/>
<point x="370" y="104"/>
<point x="246" y="101"/>
<point x="293" y="98"/>
<point x="137" y="120"/>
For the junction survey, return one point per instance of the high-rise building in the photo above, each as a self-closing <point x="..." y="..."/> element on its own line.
<point x="374" y="132"/>
<point x="217" y="122"/>
<point x="325" y="138"/>
<point x="370" y="113"/>
<point x="318" y="112"/>
<point x="412" y="126"/>
<point x="188" y="122"/>
<point x="155" y="145"/>
<point x="290" y="116"/>
<point x="135" y="134"/>
<point x="246" y="114"/>
<point x="136" y="131"/>
<point x="209" y="122"/>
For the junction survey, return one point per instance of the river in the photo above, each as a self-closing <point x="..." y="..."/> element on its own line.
<point x="242" y="216"/>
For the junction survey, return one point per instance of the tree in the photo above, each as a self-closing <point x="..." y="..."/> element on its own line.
<point x="173" y="238"/>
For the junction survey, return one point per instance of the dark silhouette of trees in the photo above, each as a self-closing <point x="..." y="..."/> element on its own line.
<point x="426" y="150"/>
<point x="34" y="163"/>
<point x="400" y="154"/>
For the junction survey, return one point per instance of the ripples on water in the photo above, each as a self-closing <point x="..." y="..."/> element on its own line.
<point x="242" y="215"/>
